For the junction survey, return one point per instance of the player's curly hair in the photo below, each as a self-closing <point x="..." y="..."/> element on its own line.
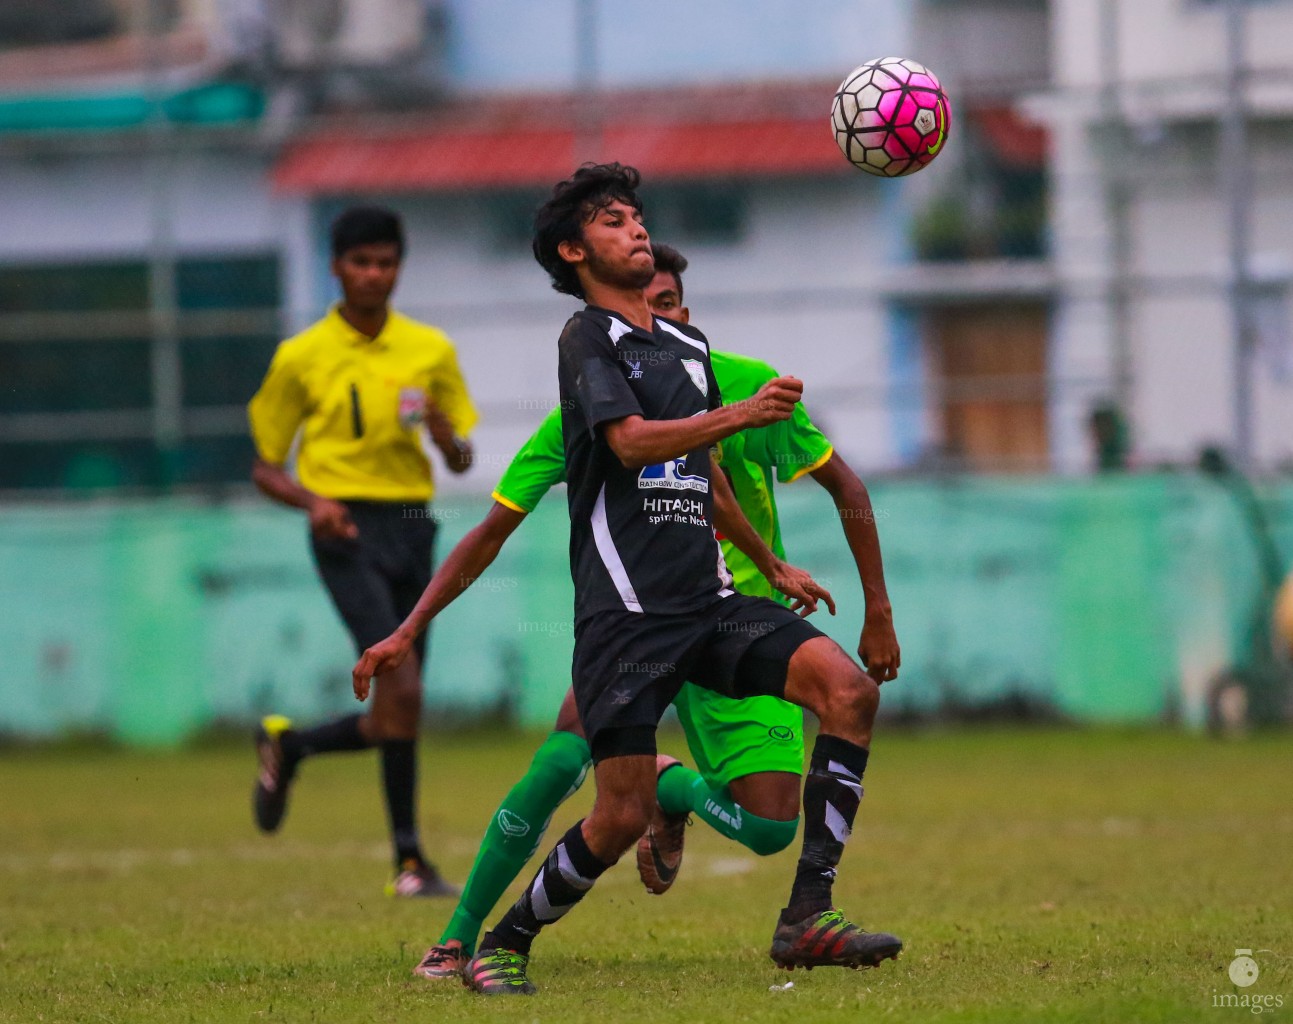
<point x="573" y="204"/>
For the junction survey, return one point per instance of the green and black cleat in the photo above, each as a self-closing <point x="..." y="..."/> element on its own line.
<point x="498" y="972"/>
<point x="829" y="939"/>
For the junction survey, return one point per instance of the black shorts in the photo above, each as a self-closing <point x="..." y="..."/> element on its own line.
<point x="628" y="666"/>
<point x="377" y="578"/>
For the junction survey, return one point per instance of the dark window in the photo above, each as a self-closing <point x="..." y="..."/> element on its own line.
<point x="225" y="370"/>
<point x="509" y="220"/>
<point x="74" y="376"/>
<point x="703" y="212"/>
<point x="76" y="371"/>
<point x="227" y="283"/>
<point x="997" y="207"/>
<point x="94" y="287"/>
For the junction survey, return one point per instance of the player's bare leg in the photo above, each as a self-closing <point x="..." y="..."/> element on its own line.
<point x="772" y="795"/>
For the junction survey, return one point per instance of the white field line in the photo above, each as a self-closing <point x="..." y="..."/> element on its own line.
<point x="124" y="861"/>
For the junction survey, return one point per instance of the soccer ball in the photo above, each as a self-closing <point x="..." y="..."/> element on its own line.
<point x="890" y="116"/>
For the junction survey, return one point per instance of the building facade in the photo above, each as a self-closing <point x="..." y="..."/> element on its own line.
<point x="176" y="182"/>
<point x="1170" y="245"/>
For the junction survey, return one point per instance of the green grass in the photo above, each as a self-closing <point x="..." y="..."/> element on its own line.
<point x="1036" y="875"/>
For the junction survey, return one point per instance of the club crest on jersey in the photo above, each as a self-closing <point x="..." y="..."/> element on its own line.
<point x="670" y="474"/>
<point x="696" y="371"/>
<point x="413" y="403"/>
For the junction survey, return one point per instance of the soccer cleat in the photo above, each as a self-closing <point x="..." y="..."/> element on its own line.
<point x="418" y="879"/>
<point x="498" y="972"/>
<point x="830" y="940"/>
<point x="660" y="848"/>
<point x="269" y="798"/>
<point x="445" y="961"/>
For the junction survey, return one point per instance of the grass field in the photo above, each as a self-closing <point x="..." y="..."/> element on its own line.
<point x="1036" y="875"/>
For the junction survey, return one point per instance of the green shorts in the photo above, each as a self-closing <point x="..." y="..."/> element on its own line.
<point x="731" y="738"/>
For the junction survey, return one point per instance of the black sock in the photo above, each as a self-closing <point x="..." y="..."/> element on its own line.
<point x="832" y="792"/>
<point x="400" y="782"/>
<point x="569" y="871"/>
<point x="340" y="734"/>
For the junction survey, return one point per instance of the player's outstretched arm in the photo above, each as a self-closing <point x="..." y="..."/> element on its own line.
<point x="470" y="557"/>
<point x="730" y="520"/>
<point x="639" y="442"/>
<point x="878" y="646"/>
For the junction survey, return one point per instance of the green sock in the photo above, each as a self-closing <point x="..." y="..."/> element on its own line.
<point x="683" y="791"/>
<point x="515" y="830"/>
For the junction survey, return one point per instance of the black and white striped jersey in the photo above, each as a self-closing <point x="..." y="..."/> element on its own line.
<point x="641" y="539"/>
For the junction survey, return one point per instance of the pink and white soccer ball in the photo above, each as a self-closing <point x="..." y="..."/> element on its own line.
<point x="891" y="116"/>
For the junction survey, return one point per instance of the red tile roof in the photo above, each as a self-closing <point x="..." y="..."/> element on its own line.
<point x="1016" y="141"/>
<point x="754" y="131"/>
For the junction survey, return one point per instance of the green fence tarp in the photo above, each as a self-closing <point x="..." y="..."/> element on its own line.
<point x="1115" y="599"/>
<point x="211" y="103"/>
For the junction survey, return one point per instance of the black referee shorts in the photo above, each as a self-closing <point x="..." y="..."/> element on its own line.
<point x="377" y="578"/>
<point x="629" y="666"/>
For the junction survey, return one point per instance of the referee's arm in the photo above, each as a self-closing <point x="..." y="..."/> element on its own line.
<point x="274" y="415"/>
<point x="457" y="451"/>
<point x="328" y="518"/>
<point x="450" y="415"/>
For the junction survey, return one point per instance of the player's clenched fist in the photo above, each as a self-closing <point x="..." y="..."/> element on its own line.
<point x="773" y="402"/>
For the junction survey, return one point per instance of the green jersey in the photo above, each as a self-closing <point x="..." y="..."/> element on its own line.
<point x="537" y="468"/>
<point x="728" y="738"/>
<point x="751" y="459"/>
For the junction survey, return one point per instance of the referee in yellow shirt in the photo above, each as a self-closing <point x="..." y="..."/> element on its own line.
<point x="359" y="387"/>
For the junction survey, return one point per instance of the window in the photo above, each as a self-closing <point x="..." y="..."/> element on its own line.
<point x="509" y="220"/>
<point x="705" y="212"/>
<point x="76" y="357"/>
<point x="997" y="207"/>
<point x="990" y="365"/>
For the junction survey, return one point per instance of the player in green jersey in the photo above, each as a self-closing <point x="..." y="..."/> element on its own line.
<point x="750" y="753"/>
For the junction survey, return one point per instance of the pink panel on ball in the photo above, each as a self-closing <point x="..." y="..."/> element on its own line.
<point x="903" y="141"/>
<point x="888" y="105"/>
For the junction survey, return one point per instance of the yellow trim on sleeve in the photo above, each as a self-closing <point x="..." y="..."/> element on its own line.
<point x="510" y="504"/>
<point x="830" y="450"/>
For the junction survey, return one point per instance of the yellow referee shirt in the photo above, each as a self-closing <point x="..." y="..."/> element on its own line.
<point x="358" y="403"/>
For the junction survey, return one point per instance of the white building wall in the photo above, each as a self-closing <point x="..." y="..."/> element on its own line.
<point x="800" y="290"/>
<point x="98" y="205"/>
<point x="1174" y="217"/>
<point x="1170" y="47"/>
<point x="983" y="46"/>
